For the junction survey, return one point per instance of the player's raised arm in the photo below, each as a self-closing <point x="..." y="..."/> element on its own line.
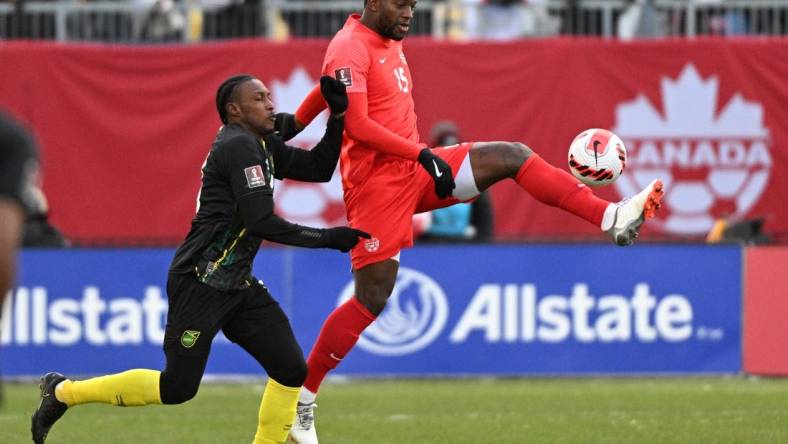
<point x="362" y="129"/>
<point x="259" y="219"/>
<point x="317" y="164"/>
<point x="251" y="180"/>
<point x="289" y="125"/>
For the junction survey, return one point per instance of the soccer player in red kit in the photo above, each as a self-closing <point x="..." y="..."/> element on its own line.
<point x="388" y="175"/>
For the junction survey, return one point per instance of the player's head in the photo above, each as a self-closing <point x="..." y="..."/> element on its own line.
<point x="245" y="100"/>
<point x="389" y="18"/>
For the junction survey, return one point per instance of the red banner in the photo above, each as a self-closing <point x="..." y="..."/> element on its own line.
<point x="124" y="130"/>
<point x="765" y="311"/>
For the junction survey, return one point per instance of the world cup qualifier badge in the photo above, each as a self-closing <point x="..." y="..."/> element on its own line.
<point x="189" y="338"/>
<point x="344" y="76"/>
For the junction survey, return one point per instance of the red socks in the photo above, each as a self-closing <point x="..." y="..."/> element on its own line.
<point x="337" y="336"/>
<point x="558" y="188"/>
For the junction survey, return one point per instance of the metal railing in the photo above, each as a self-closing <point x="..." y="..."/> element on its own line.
<point x="195" y="20"/>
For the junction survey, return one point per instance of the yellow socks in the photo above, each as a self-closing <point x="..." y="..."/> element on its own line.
<point x="277" y="413"/>
<point x="141" y="387"/>
<point x="130" y="388"/>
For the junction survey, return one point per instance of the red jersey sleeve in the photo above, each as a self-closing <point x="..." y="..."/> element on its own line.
<point x="362" y="129"/>
<point x="312" y="105"/>
<point x="348" y="60"/>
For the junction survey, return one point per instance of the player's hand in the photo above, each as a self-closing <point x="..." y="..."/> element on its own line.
<point x="334" y="92"/>
<point x="343" y="238"/>
<point x="439" y="170"/>
<point x="287" y="126"/>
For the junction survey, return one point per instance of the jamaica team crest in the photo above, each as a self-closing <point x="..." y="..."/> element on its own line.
<point x="189" y="338"/>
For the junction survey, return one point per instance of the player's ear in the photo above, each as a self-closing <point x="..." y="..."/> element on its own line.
<point x="233" y="110"/>
<point x="372" y="5"/>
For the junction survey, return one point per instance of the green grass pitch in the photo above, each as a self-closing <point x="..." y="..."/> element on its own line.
<point x="663" y="410"/>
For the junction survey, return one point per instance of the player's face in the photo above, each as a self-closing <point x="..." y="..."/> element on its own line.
<point x="255" y="106"/>
<point x="395" y="17"/>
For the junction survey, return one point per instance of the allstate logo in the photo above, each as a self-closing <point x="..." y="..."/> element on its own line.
<point x="414" y="316"/>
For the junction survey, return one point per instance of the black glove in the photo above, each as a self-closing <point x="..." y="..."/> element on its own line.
<point x="334" y="93"/>
<point x="343" y="238"/>
<point x="285" y="125"/>
<point x="439" y="170"/>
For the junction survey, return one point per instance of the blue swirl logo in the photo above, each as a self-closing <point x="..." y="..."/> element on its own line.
<point x="414" y="316"/>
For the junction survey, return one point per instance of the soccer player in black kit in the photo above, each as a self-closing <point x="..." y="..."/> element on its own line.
<point x="210" y="285"/>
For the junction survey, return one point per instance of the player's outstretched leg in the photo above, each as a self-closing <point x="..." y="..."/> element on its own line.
<point x="494" y="161"/>
<point x="304" y="431"/>
<point x="49" y="409"/>
<point x="632" y="212"/>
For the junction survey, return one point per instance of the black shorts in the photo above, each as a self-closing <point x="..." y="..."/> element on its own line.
<point x="197" y="312"/>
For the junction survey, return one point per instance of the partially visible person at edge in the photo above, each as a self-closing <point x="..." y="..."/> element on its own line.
<point x="18" y="171"/>
<point x="210" y="286"/>
<point x="388" y="175"/>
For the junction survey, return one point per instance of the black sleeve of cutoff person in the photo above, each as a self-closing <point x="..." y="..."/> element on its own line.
<point x="251" y="182"/>
<point x="315" y="165"/>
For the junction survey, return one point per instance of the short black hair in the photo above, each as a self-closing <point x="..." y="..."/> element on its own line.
<point x="226" y="91"/>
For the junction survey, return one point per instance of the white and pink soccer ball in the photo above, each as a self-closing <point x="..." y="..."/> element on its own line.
<point x="597" y="157"/>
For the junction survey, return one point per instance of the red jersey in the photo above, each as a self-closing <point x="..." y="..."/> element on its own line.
<point x="371" y="64"/>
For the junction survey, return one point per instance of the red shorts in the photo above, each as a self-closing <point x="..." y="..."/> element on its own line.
<point x="385" y="203"/>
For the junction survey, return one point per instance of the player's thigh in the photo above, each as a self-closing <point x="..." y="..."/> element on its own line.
<point x="261" y="327"/>
<point x="383" y="207"/>
<point x="195" y="315"/>
<point x="492" y="162"/>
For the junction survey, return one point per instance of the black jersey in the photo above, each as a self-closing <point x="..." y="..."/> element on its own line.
<point x="18" y="163"/>
<point x="240" y="169"/>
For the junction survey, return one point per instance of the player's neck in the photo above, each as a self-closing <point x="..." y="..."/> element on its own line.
<point x="248" y="128"/>
<point x="368" y="21"/>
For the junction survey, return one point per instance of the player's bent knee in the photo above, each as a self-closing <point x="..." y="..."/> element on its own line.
<point x="374" y="301"/>
<point x="293" y="375"/>
<point x="175" y="390"/>
<point x="522" y="149"/>
<point x="513" y="155"/>
<point x="518" y="152"/>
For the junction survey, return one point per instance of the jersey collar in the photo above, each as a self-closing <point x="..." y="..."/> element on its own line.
<point x="354" y="20"/>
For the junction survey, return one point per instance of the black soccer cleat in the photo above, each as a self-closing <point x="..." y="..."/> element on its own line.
<point x="49" y="410"/>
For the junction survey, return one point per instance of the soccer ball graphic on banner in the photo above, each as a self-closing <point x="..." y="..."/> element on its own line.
<point x="597" y="157"/>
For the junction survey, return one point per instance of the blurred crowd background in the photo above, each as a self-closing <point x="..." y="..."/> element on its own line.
<point x="135" y="21"/>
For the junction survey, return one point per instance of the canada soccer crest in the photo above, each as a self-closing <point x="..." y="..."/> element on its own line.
<point x="713" y="163"/>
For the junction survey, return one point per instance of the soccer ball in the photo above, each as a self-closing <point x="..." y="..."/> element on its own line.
<point x="597" y="157"/>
